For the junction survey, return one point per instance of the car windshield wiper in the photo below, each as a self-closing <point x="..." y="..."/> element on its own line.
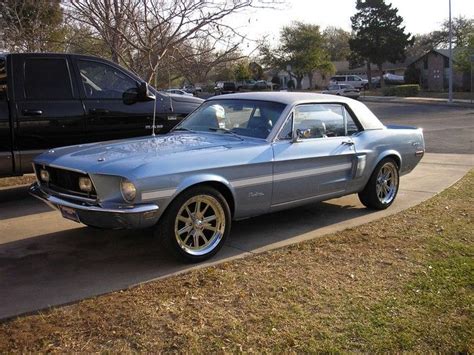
<point x="225" y="130"/>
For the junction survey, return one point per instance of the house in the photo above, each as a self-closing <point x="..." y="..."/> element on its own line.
<point x="433" y="68"/>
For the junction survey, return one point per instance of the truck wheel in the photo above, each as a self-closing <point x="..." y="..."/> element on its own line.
<point x="196" y="224"/>
<point x="382" y="188"/>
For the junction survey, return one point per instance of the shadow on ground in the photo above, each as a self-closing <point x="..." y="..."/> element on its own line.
<point x="66" y="266"/>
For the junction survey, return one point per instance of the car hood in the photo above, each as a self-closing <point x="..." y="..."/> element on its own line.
<point x="114" y="157"/>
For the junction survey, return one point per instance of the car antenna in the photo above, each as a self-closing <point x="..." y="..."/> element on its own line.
<point x="154" y="111"/>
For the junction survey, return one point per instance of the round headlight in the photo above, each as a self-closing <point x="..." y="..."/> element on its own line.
<point x="85" y="184"/>
<point x="44" y="175"/>
<point x="129" y="191"/>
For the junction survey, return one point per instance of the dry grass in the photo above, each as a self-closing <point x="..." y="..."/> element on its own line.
<point x="401" y="283"/>
<point x="17" y="180"/>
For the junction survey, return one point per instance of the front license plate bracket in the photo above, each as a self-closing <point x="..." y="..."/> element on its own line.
<point x="69" y="213"/>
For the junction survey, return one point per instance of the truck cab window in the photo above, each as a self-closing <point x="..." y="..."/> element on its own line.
<point x="47" y="78"/>
<point x="102" y="81"/>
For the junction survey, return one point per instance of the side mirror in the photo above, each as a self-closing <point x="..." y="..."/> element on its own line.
<point x="139" y="94"/>
<point x="144" y="92"/>
<point x="130" y="96"/>
<point x="300" y="134"/>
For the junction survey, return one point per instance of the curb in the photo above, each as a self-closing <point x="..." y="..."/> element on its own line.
<point x="417" y="101"/>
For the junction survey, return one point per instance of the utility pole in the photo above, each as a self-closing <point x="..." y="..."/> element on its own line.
<point x="450" y="99"/>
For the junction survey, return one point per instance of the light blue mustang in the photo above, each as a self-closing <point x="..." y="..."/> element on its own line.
<point x="236" y="156"/>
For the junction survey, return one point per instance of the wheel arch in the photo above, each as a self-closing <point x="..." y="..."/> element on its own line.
<point x="389" y="154"/>
<point x="214" y="181"/>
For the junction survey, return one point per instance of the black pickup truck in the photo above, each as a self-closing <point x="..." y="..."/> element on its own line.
<point x="50" y="100"/>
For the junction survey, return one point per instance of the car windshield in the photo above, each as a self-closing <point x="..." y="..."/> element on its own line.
<point x="250" y="118"/>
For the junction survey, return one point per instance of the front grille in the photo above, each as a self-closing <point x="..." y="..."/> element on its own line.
<point x="65" y="181"/>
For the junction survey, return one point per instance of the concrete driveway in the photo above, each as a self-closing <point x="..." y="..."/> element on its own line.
<point x="46" y="260"/>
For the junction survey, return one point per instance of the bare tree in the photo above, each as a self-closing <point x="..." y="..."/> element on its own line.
<point x="195" y="61"/>
<point x="152" y="30"/>
<point x="31" y="25"/>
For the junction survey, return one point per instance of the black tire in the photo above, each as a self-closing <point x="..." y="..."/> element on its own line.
<point x="165" y="229"/>
<point x="370" y="196"/>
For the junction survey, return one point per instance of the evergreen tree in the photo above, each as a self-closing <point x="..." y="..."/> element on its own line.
<point x="378" y="34"/>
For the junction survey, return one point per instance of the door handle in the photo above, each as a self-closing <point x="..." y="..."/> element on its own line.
<point x="27" y="112"/>
<point x="98" y="111"/>
<point x="348" y="142"/>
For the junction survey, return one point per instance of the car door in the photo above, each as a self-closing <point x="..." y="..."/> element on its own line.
<point x="108" y="117"/>
<point x="49" y="112"/>
<point x="320" y="162"/>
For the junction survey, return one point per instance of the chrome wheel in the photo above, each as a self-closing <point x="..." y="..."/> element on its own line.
<point x="387" y="183"/>
<point x="200" y="225"/>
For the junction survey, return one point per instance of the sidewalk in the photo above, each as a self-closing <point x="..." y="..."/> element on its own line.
<point x="418" y="100"/>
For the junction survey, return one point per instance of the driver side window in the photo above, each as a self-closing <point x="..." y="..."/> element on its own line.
<point x="102" y="81"/>
<point x="321" y="121"/>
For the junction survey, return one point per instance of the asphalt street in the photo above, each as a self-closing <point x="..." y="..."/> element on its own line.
<point x="446" y="129"/>
<point x="46" y="260"/>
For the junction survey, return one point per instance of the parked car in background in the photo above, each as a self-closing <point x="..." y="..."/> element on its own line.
<point x="342" y="90"/>
<point x="245" y="85"/>
<point x="55" y="99"/>
<point x="388" y="79"/>
<point x="353" y="80"/>
<point x="235" y="157"/>
<point x="178" y="92"/>
<point x="225" y="87"/>
<point x="192" y="89"/>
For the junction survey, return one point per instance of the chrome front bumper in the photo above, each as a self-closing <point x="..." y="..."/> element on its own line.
<point x="110" y="217"/>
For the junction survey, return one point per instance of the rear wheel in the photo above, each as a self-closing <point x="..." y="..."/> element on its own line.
<point x="196" y="224"/>
<point x="382" y="188"/>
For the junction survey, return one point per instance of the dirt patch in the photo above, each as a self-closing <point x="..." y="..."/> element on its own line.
<point x="402" y="283"/>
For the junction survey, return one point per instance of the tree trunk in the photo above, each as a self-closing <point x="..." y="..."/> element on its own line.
<point x="299" y="79"/>
<point x="382" y="83"/>
<point x="310" y="78"/>
<point x="369" y="74"/>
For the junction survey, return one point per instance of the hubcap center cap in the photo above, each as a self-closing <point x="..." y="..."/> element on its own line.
<point x="198" y="224"/>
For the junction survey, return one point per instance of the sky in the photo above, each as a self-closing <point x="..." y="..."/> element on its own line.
<point x="420" y="16"/>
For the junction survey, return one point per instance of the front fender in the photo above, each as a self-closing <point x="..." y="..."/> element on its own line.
<point x="193" y="180"/>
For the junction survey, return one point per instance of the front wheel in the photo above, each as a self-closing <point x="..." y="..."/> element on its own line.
<point x="382" y="188"/>
<point x="196" y="224"/>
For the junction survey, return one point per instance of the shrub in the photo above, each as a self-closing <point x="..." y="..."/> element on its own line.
<point x="276" y="80"/>
<point x="291" y="85"/>
<point x="402" y="90"/>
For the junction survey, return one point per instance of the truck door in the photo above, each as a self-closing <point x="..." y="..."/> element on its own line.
<point x="49" y="112"/>
<point x="6" y="149"/>
<point x="107" y="116"/>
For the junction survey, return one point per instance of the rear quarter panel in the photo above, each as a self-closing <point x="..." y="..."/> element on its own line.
<point x="401" y="143"/>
